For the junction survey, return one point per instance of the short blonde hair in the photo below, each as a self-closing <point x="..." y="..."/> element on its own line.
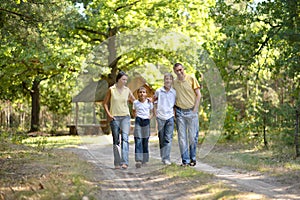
<point x="168" y="75"/>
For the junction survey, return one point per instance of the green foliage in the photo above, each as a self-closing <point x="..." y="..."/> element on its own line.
<point x="255" y="52"/>
<point x="12" y="137"/>
<point x="232" y="126"/>
<point x="38" y="47"/>
<point x="255" y="46"/>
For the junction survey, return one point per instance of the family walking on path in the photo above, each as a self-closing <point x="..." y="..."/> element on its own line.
<point x="176" y="102"/>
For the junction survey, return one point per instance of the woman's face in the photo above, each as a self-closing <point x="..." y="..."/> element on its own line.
<point x="123" y="80"/>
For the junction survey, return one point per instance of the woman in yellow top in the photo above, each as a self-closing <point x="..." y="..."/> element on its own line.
<point x="116" y="107"/>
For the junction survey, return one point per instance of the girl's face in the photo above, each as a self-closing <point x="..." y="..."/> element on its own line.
<point x="123" y="80"/>
<point x="142" y="94"/>
<point x="168" y="81"/>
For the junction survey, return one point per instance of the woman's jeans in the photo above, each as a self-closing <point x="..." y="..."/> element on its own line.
<point x="187" y="127"/>
<point x="165" y="135"/>
<point x="141" y="139"/>
<point x="120" y="125"/>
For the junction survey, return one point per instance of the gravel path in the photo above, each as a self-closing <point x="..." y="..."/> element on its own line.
<point x="135" y="183"/>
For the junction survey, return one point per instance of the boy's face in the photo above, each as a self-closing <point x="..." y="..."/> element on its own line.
<point x="142" y="93"/>
<point x="168" y="81"/>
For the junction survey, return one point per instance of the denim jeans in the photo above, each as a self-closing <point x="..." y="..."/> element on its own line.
<point x="141" y="139"/>
<point x="121" y="124"/>
<point x="165" y="135"/>
<point x="187" y="127"/>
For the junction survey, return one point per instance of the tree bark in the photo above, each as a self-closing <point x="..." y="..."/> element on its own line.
<point x="35" y="106"/>
<point x="297" y="134"/>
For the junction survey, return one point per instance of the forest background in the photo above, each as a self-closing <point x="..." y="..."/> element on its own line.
<point x="254" y="45"/>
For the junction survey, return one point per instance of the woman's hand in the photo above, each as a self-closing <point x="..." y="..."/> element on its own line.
<point x="110" y="118"/>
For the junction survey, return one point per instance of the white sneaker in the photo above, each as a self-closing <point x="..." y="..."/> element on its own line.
<point x="167" y="162"/>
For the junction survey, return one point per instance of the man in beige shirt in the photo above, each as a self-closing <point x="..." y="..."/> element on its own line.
<point x="186" y="108"/>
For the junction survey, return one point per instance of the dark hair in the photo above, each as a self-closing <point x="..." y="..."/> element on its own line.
<point x="141" y="88"/>
<point x="177" y="64"/>
<point x="120" y="74"/>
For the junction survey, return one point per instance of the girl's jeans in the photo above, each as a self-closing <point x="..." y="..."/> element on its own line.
<point x="121" y="124"/>
<point x="141" y="139"/>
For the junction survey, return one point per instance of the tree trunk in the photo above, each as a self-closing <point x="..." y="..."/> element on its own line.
<point x="112" y="57"/>
<point x="264" y="131"/>
<point x="35" y="106"/>
<point x="297" y="134"/>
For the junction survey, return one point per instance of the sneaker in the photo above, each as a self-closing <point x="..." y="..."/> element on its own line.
<point x="167" y="162"/>
<point x="117" y="166"/>
<point x="193" y="163"/>
<point x="138" y="164"/>
<point x="124" y="166"/>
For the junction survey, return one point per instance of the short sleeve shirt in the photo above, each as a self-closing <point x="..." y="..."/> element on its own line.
<point x="119" y="101"/>
<point x="185" y="92"/>
<point x="142" y="108"/>
<point x="165" y="103"/>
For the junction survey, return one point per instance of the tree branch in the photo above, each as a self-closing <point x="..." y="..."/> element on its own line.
<point x="92" y="31"/>
<point x="22" y="16"/>
<point x="265" y="42"/>
<point x="125" y="6"/>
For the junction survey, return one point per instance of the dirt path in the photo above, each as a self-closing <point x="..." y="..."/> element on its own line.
<point x="141" y="183"/>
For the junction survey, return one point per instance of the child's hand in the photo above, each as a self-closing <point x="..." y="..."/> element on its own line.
<point x="150" y="99"/>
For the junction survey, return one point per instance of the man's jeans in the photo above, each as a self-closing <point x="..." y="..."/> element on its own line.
<point x="141" y="139"/>
<point x="165" y="135"/>
<point x="187" y="127"/>
<point x="120" y="125"/>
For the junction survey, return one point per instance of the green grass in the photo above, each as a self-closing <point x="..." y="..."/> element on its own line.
<point x="199" y="185"/>
<point x="185" y="172"/>
<point x="52" y="142"/>
<point x="41" y="171"/>
<point x="241" y="157"/>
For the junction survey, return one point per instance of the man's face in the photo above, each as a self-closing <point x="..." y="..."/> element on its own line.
<point x="179" y="71"/>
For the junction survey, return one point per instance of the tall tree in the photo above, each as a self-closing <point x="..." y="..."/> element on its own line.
<point x="35" y="48"/>
<point x="260" y="54"/>
<point x="105" y="19"/>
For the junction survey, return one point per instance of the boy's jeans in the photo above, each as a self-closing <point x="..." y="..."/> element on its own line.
<point x="165" y="135"/>
<point x="121" y="124"/>
<point x="187" y="127"/>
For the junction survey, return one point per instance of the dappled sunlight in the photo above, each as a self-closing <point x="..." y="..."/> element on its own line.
<point x="52" y="142"/>
<point x="220" y="191"/>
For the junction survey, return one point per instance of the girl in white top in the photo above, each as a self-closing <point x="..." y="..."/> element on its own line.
<point x="143" y="111"/>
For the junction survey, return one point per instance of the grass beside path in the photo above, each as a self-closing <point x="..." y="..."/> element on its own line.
<point x="39" y="168"/>
<point x="43" y="173"/>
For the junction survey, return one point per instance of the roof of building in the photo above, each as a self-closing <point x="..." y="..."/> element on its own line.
<point x="95" y="91"/>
